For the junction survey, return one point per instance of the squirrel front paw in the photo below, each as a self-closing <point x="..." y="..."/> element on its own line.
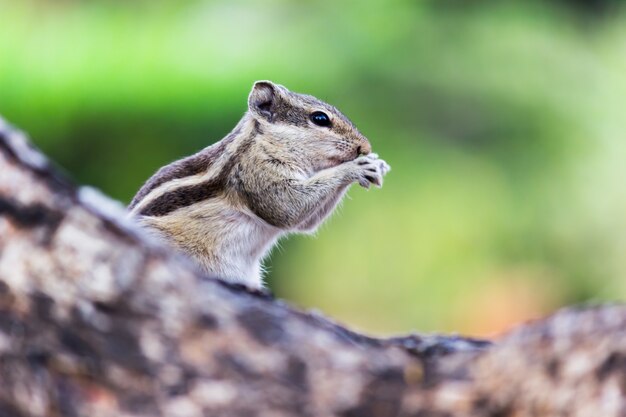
<point x="370" y="170"/>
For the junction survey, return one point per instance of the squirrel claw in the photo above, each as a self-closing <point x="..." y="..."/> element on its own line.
<point x="371" y="170"/>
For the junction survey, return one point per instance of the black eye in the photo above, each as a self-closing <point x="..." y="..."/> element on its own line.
<point x="320" y="118"/>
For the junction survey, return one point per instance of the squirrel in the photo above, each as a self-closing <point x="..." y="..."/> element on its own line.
<point x="283" y="169"/>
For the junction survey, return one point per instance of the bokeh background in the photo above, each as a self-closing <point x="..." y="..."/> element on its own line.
<point x="504" y="123"/>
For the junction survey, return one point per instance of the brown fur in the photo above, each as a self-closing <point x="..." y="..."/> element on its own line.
<point x="276" y="173"/>
<point x="191" y="165"/>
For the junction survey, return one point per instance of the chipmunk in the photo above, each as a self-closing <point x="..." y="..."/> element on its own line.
<point x="283" y="169"/>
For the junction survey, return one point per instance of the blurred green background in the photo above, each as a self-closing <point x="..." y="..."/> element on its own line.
<point x="503" y="122"/>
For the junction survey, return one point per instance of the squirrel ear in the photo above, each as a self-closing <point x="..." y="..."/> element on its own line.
<point x="263" y="99"/>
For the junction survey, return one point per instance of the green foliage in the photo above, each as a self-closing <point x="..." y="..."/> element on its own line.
<point x="503" y="123"/>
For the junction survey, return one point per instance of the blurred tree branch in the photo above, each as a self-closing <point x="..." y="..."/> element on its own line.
<point x="97" y="320"/>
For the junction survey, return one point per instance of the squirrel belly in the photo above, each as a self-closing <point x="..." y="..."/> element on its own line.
<point x="227" y="243"/>
<point x="283" y="169"/>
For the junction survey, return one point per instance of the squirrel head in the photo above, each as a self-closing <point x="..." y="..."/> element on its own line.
<point x="298" y="124"/>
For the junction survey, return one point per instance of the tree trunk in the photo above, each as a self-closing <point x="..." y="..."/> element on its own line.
<point x="97" y="320"/>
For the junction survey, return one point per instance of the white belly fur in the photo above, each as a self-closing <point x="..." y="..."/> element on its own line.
<point x="228" y="242"/>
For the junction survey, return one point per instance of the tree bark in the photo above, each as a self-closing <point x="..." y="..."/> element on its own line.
<point x="98" y="320"/>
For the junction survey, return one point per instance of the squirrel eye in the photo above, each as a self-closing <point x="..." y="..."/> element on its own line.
<point x="320" y="118"/>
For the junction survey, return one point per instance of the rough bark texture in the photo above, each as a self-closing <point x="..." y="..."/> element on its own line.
<point x="96" y="320"/>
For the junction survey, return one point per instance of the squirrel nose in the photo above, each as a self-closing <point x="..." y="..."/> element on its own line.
<point x="364" y="149"/>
